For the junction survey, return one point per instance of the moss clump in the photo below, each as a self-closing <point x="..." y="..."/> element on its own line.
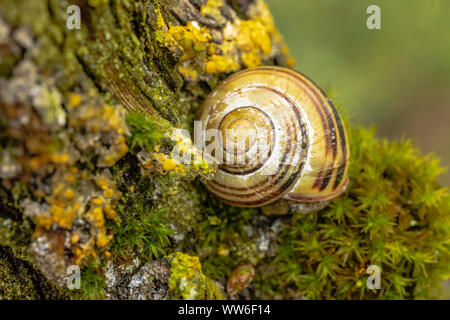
<point x="393" y="215"/>
<point x="145" y="234"/>
<point x="15" y="234"/>
<point x="92" y="281"/>
<point x="224" y="237"/>
<point x="187" y="280"/>
<point x="141" y="230"/>
<point x="145" y="132"/>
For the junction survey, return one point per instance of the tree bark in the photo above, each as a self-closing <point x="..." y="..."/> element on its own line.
<point x="125" y="54"/>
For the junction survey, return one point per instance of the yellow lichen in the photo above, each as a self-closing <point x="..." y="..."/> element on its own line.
<point x="102" y="182"/>
<point x="187" y="280"/>
<point x="96" y="216"/>
<point x="70" y="205"/>
<point x="83" y="251"/>
<point x="109" y="121"/>
<point x="252" y="35"/>
<point x="110" y="212"/>
<point x="251" y="59"/>
<point x="108" y="193"/>
<point x="188" y="72"/>
<point x="103" y="240"/>
<point x="74" y="238"/>
<point x="74" y="100"/>
<point x="60" y="158"/>
<point x="66" y="205"/>
<point x="239" y="44"/>
<point x="212" y="9"/>
<point x="192" y="162"/>
<point x="160" y="20"/>
<point x="97" y="201"/>
<point x="43" y="222"/>
<point x="187" y="37"/>
<point x="223" y="251"/>
<point x="168" y="164"/>
<point x="259" y="11"/>
<point x="68" y="194"/>
<point x="62" y="216"/>
<point x="218" y="64"/>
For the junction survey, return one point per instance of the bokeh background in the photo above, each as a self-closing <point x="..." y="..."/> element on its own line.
<point x="396" y="78"/>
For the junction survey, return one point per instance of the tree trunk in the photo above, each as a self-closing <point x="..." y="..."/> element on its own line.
<point x="124" y="53"/>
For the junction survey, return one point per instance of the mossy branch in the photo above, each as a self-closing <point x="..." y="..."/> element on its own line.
<point x="86" y="175"/>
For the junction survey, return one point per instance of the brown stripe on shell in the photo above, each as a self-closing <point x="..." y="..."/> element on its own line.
<point x="322" y="180"/>
<point x="328" y="126"/>
<point x="340" y="174"/>
<point x="303" y="198"/>
<point x="270" y="196"/>
<point x="318" y="181"/>
<point x="343" y="143"/>
<point x="341" y="131"/>
<point x="326" y="178"/>
<point x="325" y="101"/>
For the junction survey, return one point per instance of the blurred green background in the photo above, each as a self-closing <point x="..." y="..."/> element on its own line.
<point x="396" y="78"/>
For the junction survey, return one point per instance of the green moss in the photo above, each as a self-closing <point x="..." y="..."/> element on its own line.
<point x="393" y="215"/>
<point x="223" y="227"/>
<point x="145" y="234"/>
<point x="123" y="64"/>
<point x="145" y="132"/>
<point x="97" y="3"/>
<point x="92" y="281"/>
<point x="142" y="229"/>
<point x="14" y="234"/>
<point x="182" y="202"/>
<point x="187" y="280"/>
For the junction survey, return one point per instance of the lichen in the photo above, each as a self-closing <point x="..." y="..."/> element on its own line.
<point x="159" y="153"/>
<point x="67" y="202"/>
<point x="239" y="43"/>
<point x="187" y="280"/>
<point x="212" y="9"/>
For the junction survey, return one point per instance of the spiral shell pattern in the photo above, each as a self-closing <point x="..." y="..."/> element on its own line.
<point x="279" y="136"/>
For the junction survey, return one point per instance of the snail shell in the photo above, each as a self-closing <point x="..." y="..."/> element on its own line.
<point x="280" y="136"/>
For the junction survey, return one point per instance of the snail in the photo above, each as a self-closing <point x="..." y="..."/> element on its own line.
<point x="278" y="136"/>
